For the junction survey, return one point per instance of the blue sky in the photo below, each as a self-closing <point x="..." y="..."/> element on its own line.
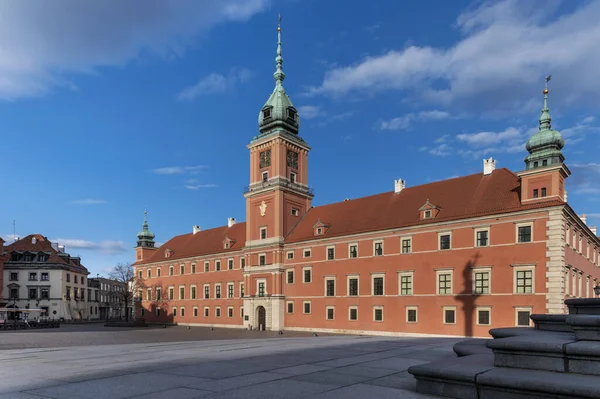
<point x="110" y="108"/>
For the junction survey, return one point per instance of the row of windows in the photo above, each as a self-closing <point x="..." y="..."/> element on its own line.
<point x="181" y="311"/>
<point x="575" y="241"/>
<point x="523" y="282"/>
<point x="482" y="239"/>
<point x="193" y="294"/>
<point x="33" y="276"/>
<point x="217" y="267"/>
<point x="483" y="318"/>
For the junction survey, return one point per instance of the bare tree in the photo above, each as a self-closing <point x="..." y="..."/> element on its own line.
<point x="131" y="284"/>
<point x="160" y="298"/>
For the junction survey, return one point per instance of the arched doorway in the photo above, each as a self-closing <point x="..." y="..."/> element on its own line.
<point x="262" y="318"/>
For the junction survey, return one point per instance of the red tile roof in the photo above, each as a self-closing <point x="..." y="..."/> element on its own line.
<point x="204" y="242"/>
<point x="458" y="198"/>
<point x="42" y="244"/>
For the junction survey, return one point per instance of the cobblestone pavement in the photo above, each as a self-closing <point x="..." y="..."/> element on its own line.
<point x="97" y="334"/>
<point x="316" y="367"/>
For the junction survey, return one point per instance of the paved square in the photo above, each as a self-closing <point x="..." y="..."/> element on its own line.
<point x="316" y="367"/>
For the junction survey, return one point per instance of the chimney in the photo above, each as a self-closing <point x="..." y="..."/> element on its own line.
<point x="399" y="185"/>
<point x="61" y="248"/>
<point x="33" y="240"/>
<point x="583" y="218"/>
<point x="55" y="246"/>
<point x="489" y="165"/>
<point x="593" y="230"/>
<point x="230" y="222"/>
<point x="565" y="195"/>
<point x="196" y="229"/>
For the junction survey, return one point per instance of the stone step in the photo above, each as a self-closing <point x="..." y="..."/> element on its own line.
<point x="551" y="322"/>
<point x="557" y="352"/>
<point x="475" y="346"/>
<point x="583" y="306"/>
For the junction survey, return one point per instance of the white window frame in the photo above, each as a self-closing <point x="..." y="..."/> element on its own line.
<point x="171" y="293"/>
<point x="477" y="230"/>
<point x="524" y="224"/>
<point x="373" y="277"/>
<point x="304" y="275"/>
<point x="230" y="261"/>
<point x="204" y="290"/>
<point x="206" y="267"/>
<point x="523" y="309"/>
<point x="349" y="247"/>
<point x="174" y="311"/>
<point x="439" y="240"/>
<point x="263" y="174"/>
<point x="330" y="278"/>
<point x="352" y="277"/>
<point x="218" y="263"/>
<point x="171" y="270"/>
<point x="437" y="280"/>
<point x="148" y="294"/>
<point x="295" y="211"/>
<point x="287" y="255"/>
<point x="378" y="307"/>
<point x="427" y="214"/>
<point x="260" y="232"/>
<point x="304" y="252"/>
<point x="350" y="312"/>
<point x="242" y="311"/>
<point x="402" y="239"/>
<point x="375" y="242"/>
<point x="193" y="295"/>
<point x="230" y="285"/>
<point x="295" y="178"/>
<point x="416" y="309"/>
<point x="206" y="312"/>
<point x="287" y="307"/>
<point x="481" y="269"/>
<point x="180" y="289"/>
<point x="287" y="274"/>
<point x="193" y="268"/>
<point x="523" y="268"/>
<point x="258" y="281"/>
<point x="182" y="267"/>
<point x="195" y="311"/>
<point x="327" y="248"/>
<point x="304" y="307"/>
<point x="218" y="312"/>
<point x="483" y="309"/>
<point x="444" y="309"/>
<point x="327" y="312"/>
<point x="182" y="311"/>
<point x="230" y="311"/>
<point x="260" y="256"/>
<point x="405" y="273"/>
<point x="220" y="291"/>
<point x="241" y="288"/>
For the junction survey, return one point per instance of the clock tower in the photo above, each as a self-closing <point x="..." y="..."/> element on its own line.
<point x="276" y="198"/>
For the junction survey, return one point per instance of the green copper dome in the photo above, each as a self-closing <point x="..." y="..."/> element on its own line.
<point x="279" y="112"/>
<point x="545" y="146"/>
<point x="145" y="236"/>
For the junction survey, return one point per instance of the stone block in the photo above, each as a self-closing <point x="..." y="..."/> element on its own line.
<point x="585" y="326"/>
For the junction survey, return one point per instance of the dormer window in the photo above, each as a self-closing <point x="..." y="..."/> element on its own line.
<point x="428" y="211"/>
<point x="319" y="231"/>
<point x="291" y="113"/>
<point x="427" y="214"/>
<point x="320" y="228"/>
<point x="266" y="113"/>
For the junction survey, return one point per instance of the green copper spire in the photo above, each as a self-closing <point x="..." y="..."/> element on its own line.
<point x="145" y="237"/>
<point x="545" y="146"/>
<point x="278" y="114"/>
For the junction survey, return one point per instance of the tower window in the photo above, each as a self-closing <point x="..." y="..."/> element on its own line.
<point x="267" y="113"/>
<point x="543" y="191"/>
<point x="263" y="233"/>
<point x="293" y="177"/>
<point x="535" y="164"/>
<point x="535" y="193"/>
<point x="545" y="162"/>
<point x="295" y="212"/>
<point x="291" y="113"/>
<point x="265" y="177"/>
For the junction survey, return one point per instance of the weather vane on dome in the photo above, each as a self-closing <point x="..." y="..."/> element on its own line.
<point x="278" y="21"/>
<point x="546" y="84"/>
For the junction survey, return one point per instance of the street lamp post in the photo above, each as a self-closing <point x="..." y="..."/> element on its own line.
<point x="597" y="290"/>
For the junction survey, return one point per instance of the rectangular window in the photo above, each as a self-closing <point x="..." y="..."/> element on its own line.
<point x="290" y="277"/>
<point x="195" y="312"/>
<point x="193" y="268"/>
<point x="181" y="292"/>
<point x="307" y="275"/>
<point x="218" y="291"/>
<point x="444" y="283"/>
<point x="241" y="290"/>
<point x="140" y="274"/>
<point x="14" y="293"/>
<point x="230" y="290"/>
<point x="523" y="317"/>
<point x="482" y="238"/>
<point x="536" y="193"/>
<point x="524" y="233"/>
<point x="330" y="287"/>
<point x="378" y="248"/>
<point x="263" y="233"/>
<point x="411" y="314"/>
<point x="290" y="255"/>
<point x="261" y="289"/>
<point x="331" y="253"/>
<point x="68" y="278"/>
<point x="290" y="307"/>
<point x="378" y="285"/>
<point x="378" y="313"/>
<point x="230" y="264"/>
<point x="307" y="253"/>
<point x="353" y="286"/>
<point x="218" y="312"/>
<point x="243" y="263"/>
<point x="14" y="276"/>
<point x="406" y="284"/>
<point x="449" y="315"/>
<point x="242" y="312"/>
<point x="330" y="313"/>
<point x="174" y="311"/>
<point x="33" y="293"/>
<point x="74" y="277"/>
<point x="158" y="272"/>
<point x="292" y="177"/>
<point x="206" y="267"/>
<point x="33" y="277"/>
<point x="206" y="312"/>
<point x="149" y="294"/>
<point x="353" y="313"/>
<point x="353" y="251"/>
<point x="45" y="293"/>
<point x="444" y="241"/>
<point x="262" y="260"/>
<point x="182" y="312"/>
<point x="484" y="316"/>
<point x="543" y="191"/>
<point x="181" y="269"/>
<point x="171" y="293"/>
<point x="193" y="292"/>
<point x="295" y="212"/>
<point x="406" y="245"/>
<point x="482" y="282"/>
<point x="230" y="312"/>
<point x="158" y="297"/>
<point x="217" y="265"/>
<point x="427" y="214"/>
<point x="524" y="283"/>
<point x="265" y="176"/>
<point x="170" y="270"/>
<point x="306" y="307"/>
<point x="206" y="292"/>
<point x="149" y="273"/>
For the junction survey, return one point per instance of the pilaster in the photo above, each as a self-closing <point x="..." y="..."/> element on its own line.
<point x="555" y="261"/>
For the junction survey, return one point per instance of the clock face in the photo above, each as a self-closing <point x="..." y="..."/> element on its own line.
<point x="265" y="159"/>
<point x="292" y="159"/>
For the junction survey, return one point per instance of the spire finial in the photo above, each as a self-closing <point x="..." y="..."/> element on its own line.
<point x="545" y="117"/>
<point x="279" y="75"/>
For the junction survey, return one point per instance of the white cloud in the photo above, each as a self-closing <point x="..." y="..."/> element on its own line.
<point x="309" y="111"/>
<point x="110" y="247"/>
<point x="404" y="121"/>
<point x="199" y="186"/>
<point x="89" y="201"/>
<point x="483" y="139"/>
<point x="40" y="46"/>
<point x="215" y="83"/>
<point x="441" y="150"/>
<point x="179" y="170"/>
<point x="334" y="118"/>
<point x="499" y="62"/>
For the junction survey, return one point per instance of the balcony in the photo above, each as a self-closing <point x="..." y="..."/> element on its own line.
<point x="278" y="182"/>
